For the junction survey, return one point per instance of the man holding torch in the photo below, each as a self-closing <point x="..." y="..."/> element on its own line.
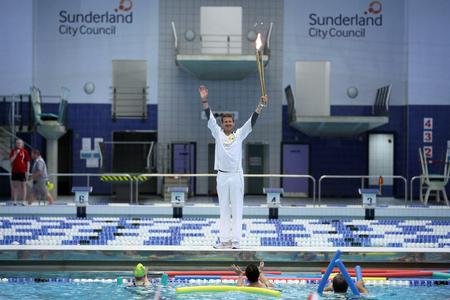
<point x="228" y="164"/>
<point x="228" y="161"/>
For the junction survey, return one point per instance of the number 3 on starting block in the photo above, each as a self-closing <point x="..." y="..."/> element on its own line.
<point x="369" y="197"/>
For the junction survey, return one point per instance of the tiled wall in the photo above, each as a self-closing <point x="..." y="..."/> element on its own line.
<point x="350" y="156"/>
<point x="441" y="134"/>
<point x="94" y="121"/>
<point x="178" y="102"/>
<point x="177" y="114"/>
<point x="328" y="156"/>
<point x="346" y="156"/>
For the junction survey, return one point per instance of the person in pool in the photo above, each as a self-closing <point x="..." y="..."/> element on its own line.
<point x="339" y="285"/>
<point x="140" y="276"/>
<point x="254" y="274"/>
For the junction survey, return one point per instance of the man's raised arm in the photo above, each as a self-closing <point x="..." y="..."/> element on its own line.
<point x="262" y="103"/>
<point x="203" y="91"/>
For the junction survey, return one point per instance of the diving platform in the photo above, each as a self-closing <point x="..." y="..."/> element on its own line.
<point x="219" y="56"/>
<point x="337" y="126"/>
<point x="219" y="67"/>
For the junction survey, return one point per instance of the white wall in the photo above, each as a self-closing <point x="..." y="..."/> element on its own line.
<point x="428" y="52"/>
<point x="16" y="38"/>
<point x="368" y="62"/>
<point x="65" y="60"/>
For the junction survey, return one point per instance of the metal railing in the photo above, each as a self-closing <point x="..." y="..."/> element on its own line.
<point x="148" y="158"/>
<point x="362" y="177"/>
<point x="14" y="113"/>
<point x="221" y="44"/>
<point x="214" y="175"/>
<point x="89" y="175"/>
<point x="14" y="137"/>
<point x="129" y="102"/>
<point x="130" y="177"/>
<point x="134" y="184"/>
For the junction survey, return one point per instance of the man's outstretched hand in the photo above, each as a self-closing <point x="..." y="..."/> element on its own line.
<point x="203" y="91"/>
<point x="264" y="100"/>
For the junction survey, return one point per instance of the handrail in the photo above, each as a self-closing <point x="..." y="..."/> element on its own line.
<point x="414" y="178"/>
<point x="221" y="34"/>
<point x="214" y="175"/>
<point x="129" y="175"/>
<point x="362" y="177"/>
<point x="127" y="143"/>
<point x="128" y="87"/>
<point x="88" y="175"/>
<point x="128" y="96"/>
<point x="15" y="137"/>
<point x="12" y="116"/>
<point x="149" y="154"/>
<point x="269" y="35"/>
<point x="174" y="31"/>
<point x="319" y="195"/>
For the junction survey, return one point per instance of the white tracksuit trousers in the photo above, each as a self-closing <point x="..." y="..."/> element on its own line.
<point x="230" y="189"/>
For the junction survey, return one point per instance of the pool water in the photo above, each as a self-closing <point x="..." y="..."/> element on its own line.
<point x="110" y="291"/>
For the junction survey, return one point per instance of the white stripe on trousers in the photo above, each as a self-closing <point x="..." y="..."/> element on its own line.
<point x="230" y="189"/>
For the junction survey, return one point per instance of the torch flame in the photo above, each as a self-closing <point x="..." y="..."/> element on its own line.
<point x="258" y="42"/>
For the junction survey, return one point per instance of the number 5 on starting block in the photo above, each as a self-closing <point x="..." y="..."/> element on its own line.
<point x="177" y="195"/>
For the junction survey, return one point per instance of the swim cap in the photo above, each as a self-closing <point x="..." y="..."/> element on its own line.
<point x="139" y="270"/>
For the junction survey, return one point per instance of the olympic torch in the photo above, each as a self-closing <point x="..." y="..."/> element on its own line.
<point x="260" y="65"/>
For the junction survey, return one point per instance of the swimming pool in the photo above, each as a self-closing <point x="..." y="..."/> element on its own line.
<point x="71" y="285"/>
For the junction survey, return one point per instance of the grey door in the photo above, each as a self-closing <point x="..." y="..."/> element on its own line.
<point x="295" y="161"/>
<point x="255" y="165"/>
<point x="212" y="186"/>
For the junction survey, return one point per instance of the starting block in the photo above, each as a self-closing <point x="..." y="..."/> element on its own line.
<point x="273" y="201"/>
<point x="177" y="198"/>
<point x="369" y="201"/>
<point x="369" y="197"/>
<point x="81" y="199"/>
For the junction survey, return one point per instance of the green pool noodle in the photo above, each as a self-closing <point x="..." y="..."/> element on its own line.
<point x="164" y="279"/>
<point x="441" y="275"/>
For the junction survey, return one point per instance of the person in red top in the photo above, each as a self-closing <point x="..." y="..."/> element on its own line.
<point x="20" y="167"/>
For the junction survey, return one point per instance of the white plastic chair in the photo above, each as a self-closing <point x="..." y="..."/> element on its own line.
<point x="433" y="182"/>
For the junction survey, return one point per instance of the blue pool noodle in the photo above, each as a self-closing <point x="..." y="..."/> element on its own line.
<point x="325" y="276"/>
<point x="347" y="277"/>
<point x="358" y="273"/>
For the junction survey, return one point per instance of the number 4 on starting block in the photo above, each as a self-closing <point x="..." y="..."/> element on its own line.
<point x="273" y="196"/>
